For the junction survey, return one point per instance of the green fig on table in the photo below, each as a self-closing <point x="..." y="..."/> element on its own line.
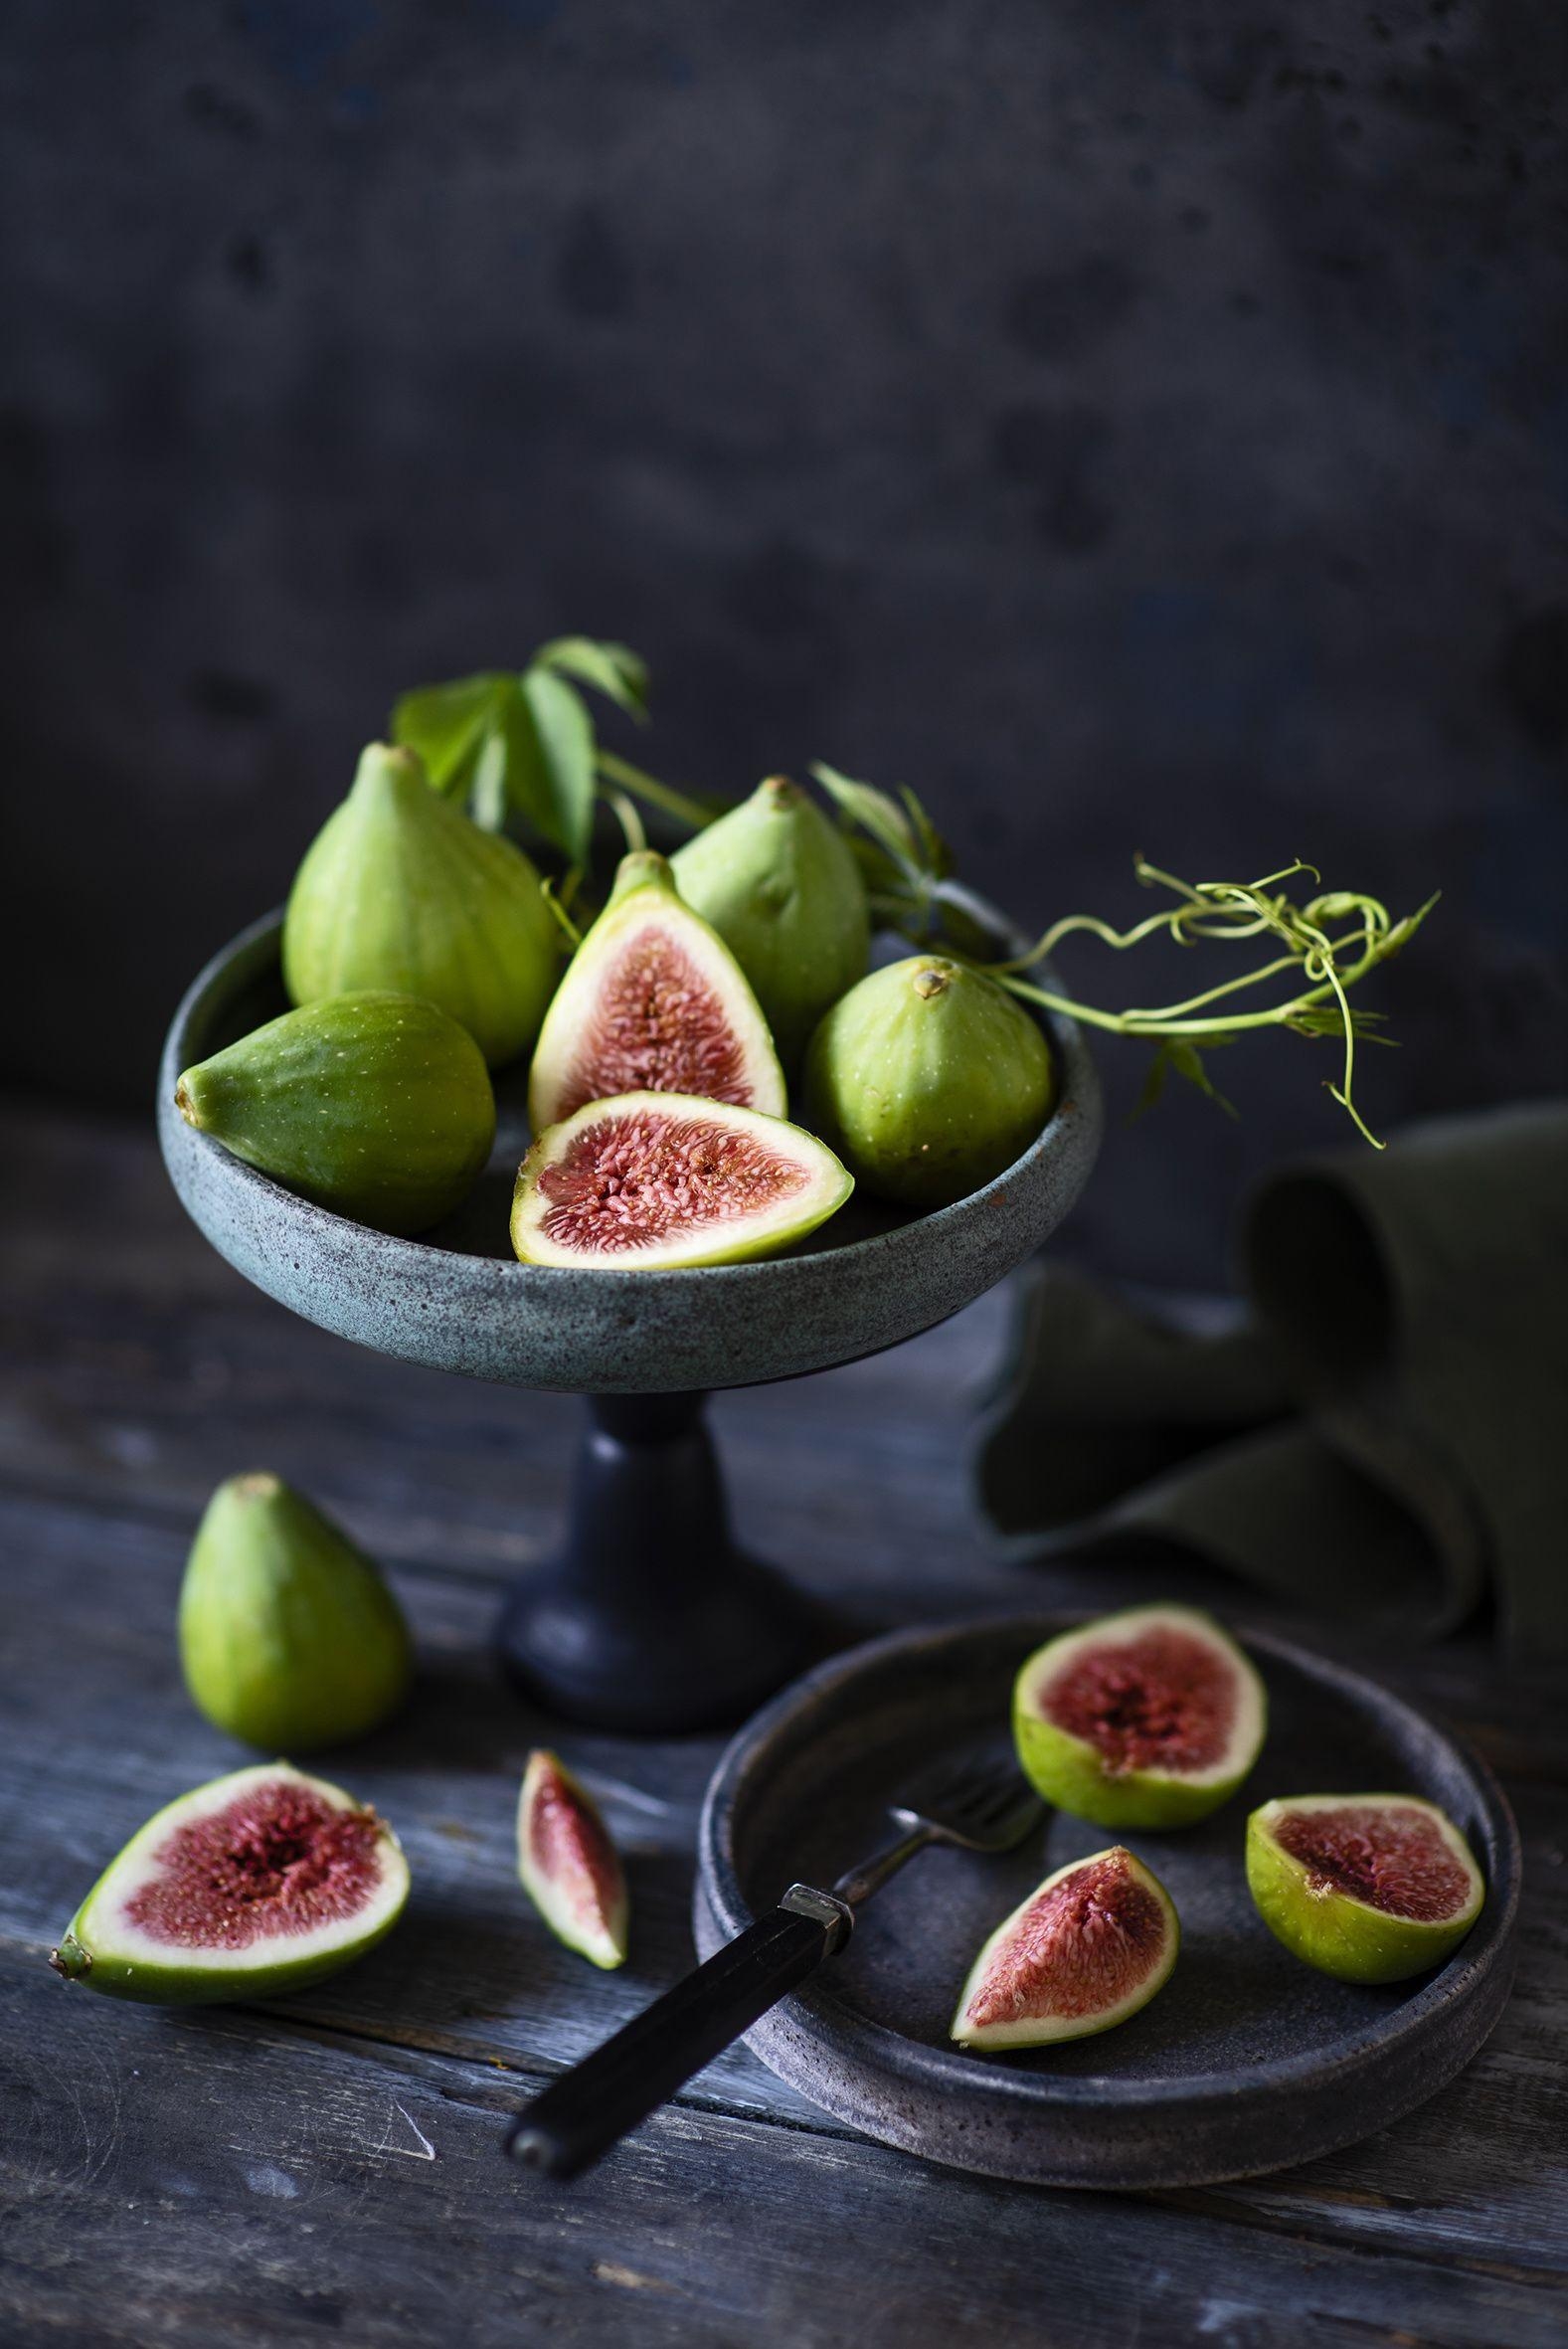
<point x="401" y="890"/>
<point x="779" y="881"/>
<point x="376" y="1105"/>
<point x="290" y="1636"/>
<point x="929" y="1080"/>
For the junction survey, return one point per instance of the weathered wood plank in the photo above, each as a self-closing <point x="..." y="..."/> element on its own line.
<point x="307" y="2187"/>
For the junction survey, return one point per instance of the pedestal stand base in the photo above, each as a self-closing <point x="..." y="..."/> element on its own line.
<point x="652" y="1621"/>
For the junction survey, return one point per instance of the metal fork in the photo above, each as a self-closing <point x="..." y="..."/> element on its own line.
<point x="980" y="1806"/>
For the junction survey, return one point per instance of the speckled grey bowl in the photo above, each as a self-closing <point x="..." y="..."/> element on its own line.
<point x="458" y="1300"/>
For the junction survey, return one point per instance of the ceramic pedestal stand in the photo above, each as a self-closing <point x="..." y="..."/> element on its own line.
<point x="649" y="1620"/>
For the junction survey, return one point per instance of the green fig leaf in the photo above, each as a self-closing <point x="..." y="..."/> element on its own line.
<point x="614" y="671"/>
<point x="550" y="760"/>
<point x="450" y="725"/>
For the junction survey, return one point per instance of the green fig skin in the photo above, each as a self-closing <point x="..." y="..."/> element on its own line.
<point x="929" y="1080"/>
<point x="290" y="1636"/>
<point x="780" y="883"/>
<point x="1331" y="1930"/>
<point x="92" y="1951"/>
<point x="400" y="890"/>
<point x="376" y="1105"/>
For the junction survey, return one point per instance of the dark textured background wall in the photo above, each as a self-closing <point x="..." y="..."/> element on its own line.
<point x="1137" y="426"/>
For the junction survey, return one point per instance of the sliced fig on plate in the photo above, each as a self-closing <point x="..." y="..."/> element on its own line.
<point x="1086" y="1950"/>
<point x="663" y="1180"/>
<point x="1372" y="1888"/>
<point x="252" y="1884"/>
<point x="571" y="1870"/>
<point x="1149" y="1718"/>
<point x="652" y="1001"/>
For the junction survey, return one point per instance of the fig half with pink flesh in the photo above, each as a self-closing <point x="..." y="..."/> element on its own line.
<point x="255" y="1883"/>
<point x="659" y="1181"/>
<point x="1086" y="1950"/>
<point x="571" y="1870"/>
<point x="653" y="1002"/>
<point x="1372" y="1888"/>
<point x="1149" y="1718"/>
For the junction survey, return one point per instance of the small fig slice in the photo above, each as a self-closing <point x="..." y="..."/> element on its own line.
<point x="400" y="890"/>
<point x="376" y="1105"/>
<point x="289" y="1635"/>
<point x="1084" y="1951"/>
<point x="652" y="1001"/>
<point x="252" y="1884"/>
<point x="656" y="1181"/>
<point x="1149" y="1718"/>
<point x="1371" y="1888"/>
<point x="571" y="1871"/>
<point x="780" y="883"/>
<point x="929" y="1079"/>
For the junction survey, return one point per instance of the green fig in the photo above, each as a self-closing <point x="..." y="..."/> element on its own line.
<point x="653" y="1002"/>
<point x="780" y="883"/>
<point x="248" y="1887"/>
<point x="289" y="1635"/>
<point x="377" y="1106"/>
<point x="928" y="1079"/>
<point x="400" y="890"/>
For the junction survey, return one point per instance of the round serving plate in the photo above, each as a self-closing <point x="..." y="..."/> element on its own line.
<point x="1248" y="2061"/>
<point x="458" y="1300"/>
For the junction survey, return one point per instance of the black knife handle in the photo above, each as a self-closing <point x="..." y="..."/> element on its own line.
<point x="588" y="2110"/>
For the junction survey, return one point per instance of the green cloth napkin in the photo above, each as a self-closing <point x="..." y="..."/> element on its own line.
<point x="1380" y="1430"/>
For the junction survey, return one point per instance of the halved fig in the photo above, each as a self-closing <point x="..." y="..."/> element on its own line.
<point x="661" y="1179"/>
<point x="1086" y="1950"/>
<point x="1369" y="1887"/>
<point x="252" y="1884"/>
<point x="653" y="1002"/>
<point x="1149" y="1718"/>
<point x="571" y="1870"/>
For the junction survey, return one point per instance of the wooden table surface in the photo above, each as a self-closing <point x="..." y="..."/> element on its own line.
<point x="330" y="2166"/>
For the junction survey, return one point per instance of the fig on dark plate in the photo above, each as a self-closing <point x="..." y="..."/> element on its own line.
<point x="1151" y="1718"/>
<point x="1086" y="1950"/>
<point x="1372" y="1888"/>
<point x="653" y="1002"/>
<point x="568" y="1867"/>
<point x="252" y="1884"/>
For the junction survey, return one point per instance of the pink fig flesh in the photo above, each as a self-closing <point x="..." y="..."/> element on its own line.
<point x="657" y="1025"/>
<point x="569" y="1866"/>
<point x="1166" y="1700"/>
<point x="1394" y="1859"/>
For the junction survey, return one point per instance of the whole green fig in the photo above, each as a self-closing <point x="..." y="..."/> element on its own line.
<point x="401" y="890"/>
<point x="289" y="1635"/>
<point x="374" y="1105"/>
<point x="780" y="883"/>
<point x="928" y="1079"/>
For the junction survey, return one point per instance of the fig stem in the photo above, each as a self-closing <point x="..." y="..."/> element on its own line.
<point x="615" y="768"/>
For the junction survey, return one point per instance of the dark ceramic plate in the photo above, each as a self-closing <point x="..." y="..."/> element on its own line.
<point x="457" y="1300"/>
<point x="1247" y="2061"/>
